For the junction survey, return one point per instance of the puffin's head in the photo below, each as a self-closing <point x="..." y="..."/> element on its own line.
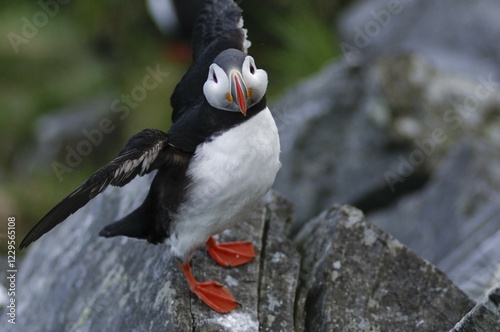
<point x="234" y="83"/>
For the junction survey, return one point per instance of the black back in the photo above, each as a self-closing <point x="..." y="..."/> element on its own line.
<point x="216" y="30"/>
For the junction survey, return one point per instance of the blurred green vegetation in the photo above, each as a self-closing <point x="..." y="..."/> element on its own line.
<point x="89" y="49"/>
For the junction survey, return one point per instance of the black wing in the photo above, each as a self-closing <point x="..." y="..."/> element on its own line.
<point x="219" y="27"/>
<point x="144" y="152"/>
<point x="218" y="19"/>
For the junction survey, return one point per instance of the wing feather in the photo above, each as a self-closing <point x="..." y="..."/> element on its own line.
<point x="144" y="152"/>
<point x="214" y="19"/>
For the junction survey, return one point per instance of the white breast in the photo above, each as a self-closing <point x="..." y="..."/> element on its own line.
<point x="229" y="176"/>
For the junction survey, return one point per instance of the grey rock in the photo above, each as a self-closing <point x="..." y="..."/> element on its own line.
<point x="457" y="36"/>
<point x="350" y="276"/>
<point x="377" y="134"/>
<point x="453" y="222"/>
<point x="82" y="127"/>
<point x="355" y="277"/>
<point x="4" y="282"/>
<point x="484" y="317"/>
<point x="73" y="280"/>
<point x="368" y="135"/>
<point x="280" y="269"/>
<point x="328" y="139"/>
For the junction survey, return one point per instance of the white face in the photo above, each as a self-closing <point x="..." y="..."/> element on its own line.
<point x="237" y="90"/>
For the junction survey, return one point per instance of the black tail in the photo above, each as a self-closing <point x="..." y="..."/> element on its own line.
<point x="135" y="224"/>
<point x="138" y="224"/>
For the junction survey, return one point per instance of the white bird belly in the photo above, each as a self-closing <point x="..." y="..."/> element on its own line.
<point x="229" y="175"/>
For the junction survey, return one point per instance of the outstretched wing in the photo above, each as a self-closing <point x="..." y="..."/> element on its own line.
<point x="219" y="27"/>
<point x="219" y="19"/>
<point x="144" y="152"/>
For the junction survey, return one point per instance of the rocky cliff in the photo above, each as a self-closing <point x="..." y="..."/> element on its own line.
<point x="339" y="273"/>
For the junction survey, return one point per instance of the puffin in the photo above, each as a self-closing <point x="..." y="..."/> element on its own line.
<point x="215" y="163"/>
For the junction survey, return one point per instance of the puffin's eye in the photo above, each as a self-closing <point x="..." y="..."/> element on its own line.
<point x="214" y="77"/>
<point x="252" y="69"/>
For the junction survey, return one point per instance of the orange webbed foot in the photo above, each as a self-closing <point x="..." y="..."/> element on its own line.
<point x="212" y="293"/>
<point x="231" y="253"/>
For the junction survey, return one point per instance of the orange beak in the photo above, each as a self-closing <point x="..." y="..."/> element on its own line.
<point x="239" y="91"/>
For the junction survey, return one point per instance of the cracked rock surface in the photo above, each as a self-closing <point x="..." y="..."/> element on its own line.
<point x="355" y="277"/>
<point x="485" y="316"/>
<point x="349" y="276"/>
